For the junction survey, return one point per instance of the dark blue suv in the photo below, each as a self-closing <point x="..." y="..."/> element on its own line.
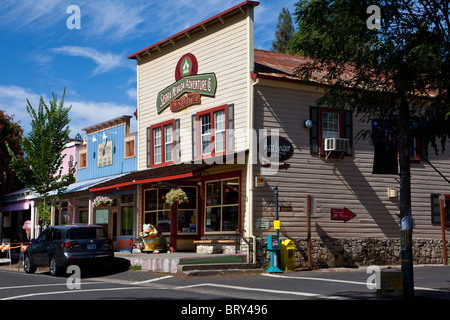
<point x="60" y="246"/>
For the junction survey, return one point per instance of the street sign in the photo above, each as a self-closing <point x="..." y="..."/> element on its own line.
<point x="342" y="214"/>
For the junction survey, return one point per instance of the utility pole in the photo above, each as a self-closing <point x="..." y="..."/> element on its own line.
<point x="405" y="201"/>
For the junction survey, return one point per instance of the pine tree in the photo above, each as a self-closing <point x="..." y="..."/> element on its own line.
<point x="284" y="32"/>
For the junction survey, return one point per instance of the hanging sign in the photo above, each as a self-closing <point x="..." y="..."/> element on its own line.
<point x="188" y="88"/>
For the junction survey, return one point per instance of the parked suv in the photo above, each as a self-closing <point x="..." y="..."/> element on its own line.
<point x="60" y="246"/>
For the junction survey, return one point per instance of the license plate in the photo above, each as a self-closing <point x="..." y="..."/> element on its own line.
<point x="92" y="246"/>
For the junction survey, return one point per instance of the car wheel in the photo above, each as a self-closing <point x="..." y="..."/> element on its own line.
<point x="28" y="265"/>
<point x="54" y="268"/>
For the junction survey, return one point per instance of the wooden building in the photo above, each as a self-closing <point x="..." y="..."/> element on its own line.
<point x="209" y="109"/>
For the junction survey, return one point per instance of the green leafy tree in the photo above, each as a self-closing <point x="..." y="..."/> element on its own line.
<point x="399" y="71"/>
<point x="40" y="169"/>
<point x="285" y="31"/>
<point x="10" y="133"/>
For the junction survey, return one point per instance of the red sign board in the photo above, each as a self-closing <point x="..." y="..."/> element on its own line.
<point x="342" y="214"/>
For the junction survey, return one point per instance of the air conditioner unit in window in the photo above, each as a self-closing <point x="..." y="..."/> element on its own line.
<point x="335" y="144"/>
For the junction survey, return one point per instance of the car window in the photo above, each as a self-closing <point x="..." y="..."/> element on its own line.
<point x="44" y="235"/>
<point x="54" y="234"/>
<point x="86" y="233"/>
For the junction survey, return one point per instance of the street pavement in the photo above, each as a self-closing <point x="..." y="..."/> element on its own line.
<point x="118" y="282"/>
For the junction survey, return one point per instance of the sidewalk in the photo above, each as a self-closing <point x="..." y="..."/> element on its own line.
<point x="156" y="262"/>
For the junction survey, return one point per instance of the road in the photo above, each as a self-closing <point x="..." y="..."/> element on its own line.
<point x="261" y="291"/>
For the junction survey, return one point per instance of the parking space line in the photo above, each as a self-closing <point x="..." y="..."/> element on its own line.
<point x="152" y="280"/>
<point x="296" y="293"/>
<point x="314" y="279"/>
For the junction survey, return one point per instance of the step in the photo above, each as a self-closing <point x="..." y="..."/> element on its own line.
<point x="214" y="258"/>
<point x="214" y="269"/>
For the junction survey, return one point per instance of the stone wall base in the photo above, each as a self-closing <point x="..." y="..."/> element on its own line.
<point x="356" y="252"/>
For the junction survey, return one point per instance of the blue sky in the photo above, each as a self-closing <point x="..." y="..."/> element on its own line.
<point x="40" y="55"/>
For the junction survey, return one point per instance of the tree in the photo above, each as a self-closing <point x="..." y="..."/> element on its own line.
<point x="40" y="169"/>
<point x="285" y="31"/>
<point x="10" y="133"/>
<point x="400" y="71"/>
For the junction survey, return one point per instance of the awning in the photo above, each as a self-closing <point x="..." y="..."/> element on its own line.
<point x="166" y="173"/>
<point x="85" y="185"/>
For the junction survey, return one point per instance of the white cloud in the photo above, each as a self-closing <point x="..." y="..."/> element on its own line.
<point x="87" y="113"/>
<point x="106" y="61"/>
<point x="83" y="114"/>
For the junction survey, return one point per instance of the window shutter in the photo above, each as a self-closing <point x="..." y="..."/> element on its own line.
<point x="230" y="128"/>
<point x="423" y="149"/>
<point x="435" y="208"/>
<point x="314" y="130"/>
<point x="149" y="147"/>
<point x="194" y="136"/>
<point x="348" y="131"/>
<point x="177" y="140"/>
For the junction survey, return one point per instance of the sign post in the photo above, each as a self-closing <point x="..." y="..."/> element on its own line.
<point x="443" y="214"/>
<point x="308" y="228"/>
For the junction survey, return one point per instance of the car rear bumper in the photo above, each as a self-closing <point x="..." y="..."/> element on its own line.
<point x="81" y="258"/>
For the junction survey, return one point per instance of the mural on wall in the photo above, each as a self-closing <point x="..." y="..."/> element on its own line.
<point x="104" y="153"/>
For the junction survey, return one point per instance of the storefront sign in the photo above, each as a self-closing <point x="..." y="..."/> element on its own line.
<point x="188" y="88"/>
<point x="189" y="99"/>
<point x="17" y="206"/>
<point x="279" y="148"/>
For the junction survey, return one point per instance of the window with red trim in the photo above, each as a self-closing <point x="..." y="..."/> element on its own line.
<point x="212" y="126"/>
<point x="162" y="143"/>
<point x="331" y="125"/>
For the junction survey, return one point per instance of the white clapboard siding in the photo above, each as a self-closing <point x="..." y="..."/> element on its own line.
<point x="224" y="50"/>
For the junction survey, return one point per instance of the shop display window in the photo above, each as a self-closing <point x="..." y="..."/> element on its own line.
<point x="222" y="206"/>
<point x="187" y="212"/>
<point x="157" y="211"/>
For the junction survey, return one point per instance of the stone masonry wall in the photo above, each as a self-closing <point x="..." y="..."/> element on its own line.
<point x="355" y="252"/>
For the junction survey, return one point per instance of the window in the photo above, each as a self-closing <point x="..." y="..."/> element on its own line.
<point x="436" y="210"/>
<point x="130" y="149"/>
<point x="168" y="142"/>
<point x="213" y="126"/>
<point x="82" y="158"/>
<point x="187" y="212"/>
<point x="162" y="143"/>
<point x="418" y="150"/>
<point x="156" y="210"/>
<point x="222" y="206"/>
<point x="126" y="221"/>
<point x="329" y="123"/>
<point x="330" y="126"/>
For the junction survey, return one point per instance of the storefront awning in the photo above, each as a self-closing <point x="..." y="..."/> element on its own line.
<point x="166" y="173"/>
<point x="85" y="185"/>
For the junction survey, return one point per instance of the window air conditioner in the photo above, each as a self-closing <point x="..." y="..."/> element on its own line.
<point x="335" y="144"/>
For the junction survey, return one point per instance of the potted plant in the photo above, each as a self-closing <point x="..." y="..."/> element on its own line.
<point x="176" y="195"/>
<point x="102" y="202"/>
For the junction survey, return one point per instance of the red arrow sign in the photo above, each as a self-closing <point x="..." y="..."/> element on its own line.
<point x="342" y="214"/>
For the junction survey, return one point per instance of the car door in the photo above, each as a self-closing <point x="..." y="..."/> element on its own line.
<point x="40" y="248"/>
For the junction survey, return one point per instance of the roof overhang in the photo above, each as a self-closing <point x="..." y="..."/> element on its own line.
<point x="189" y="31"/>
